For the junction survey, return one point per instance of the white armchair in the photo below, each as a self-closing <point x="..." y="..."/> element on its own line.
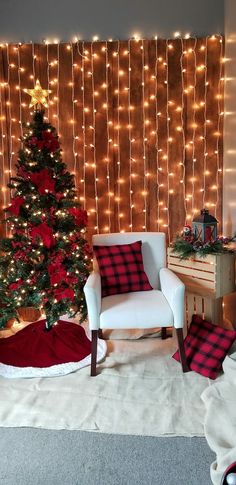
<point x="161" y="307"/>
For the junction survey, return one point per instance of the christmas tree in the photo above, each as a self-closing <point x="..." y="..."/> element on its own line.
<point x="46" y="260"/>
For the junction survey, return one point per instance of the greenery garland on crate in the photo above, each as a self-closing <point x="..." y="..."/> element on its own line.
<point x="188" y="246"/>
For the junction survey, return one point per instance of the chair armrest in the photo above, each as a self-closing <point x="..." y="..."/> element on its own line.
<point x="93" y="292"/>
<point x="173" y="290"/>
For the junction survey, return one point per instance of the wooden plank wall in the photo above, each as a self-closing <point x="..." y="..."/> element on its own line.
<point x="140" y="125"/>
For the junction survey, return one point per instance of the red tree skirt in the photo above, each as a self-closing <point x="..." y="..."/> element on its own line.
<point x="36" y="352"/>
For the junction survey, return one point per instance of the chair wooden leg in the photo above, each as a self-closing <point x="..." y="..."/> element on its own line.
<point x="163" y="333"/>
<point x="94" y="352"/>
<point x="183" y="360"/>
<point x="100" y="333"/>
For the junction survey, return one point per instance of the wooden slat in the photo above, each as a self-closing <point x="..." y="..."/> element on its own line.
<point x="152" y="154"/>
<point x="113" y="85"/>
<point x="136" y="99"/>
<point x="203" y="275"/>
<point x="196" y="281"/>
<point x="213" y="79"/>
<point x="162" y="134"/>
<point x="200" y="287"/>
<point x="225" y="275"/>
<point x="65" y="104"/>
<point x="122" y="137"/>
<point x="100" y="130"/>
<point x="193" y="265"/>
<point x="78" y="114"/>
<point x="176" y="150"/>
<point x="89" y="152"/>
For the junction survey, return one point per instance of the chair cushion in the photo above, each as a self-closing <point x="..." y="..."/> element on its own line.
<point x="141" y="309"/>
<point x="206" y="346"/>
<point x="121" y="268"/>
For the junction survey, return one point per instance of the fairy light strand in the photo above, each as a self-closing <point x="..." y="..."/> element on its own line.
<point x="118" y="135"/>
<point x="108" y="138"/>
<point x="9" y="108"/>
<point x="157" y="141"/>
<point x="83" y="125"/>
<point x="94" y="140"/>
<point x="205" y="129"/>
<point x="167" y="140"/>
<point x="194" y="124"/>
<point x="218" y="127"/>
<point x="183" y="131"/>
<point x="58" y="100"/>
<point x="73" y="112"/>
<point x="130" y="138"/>
<point x="144" y="140"/>
<point x="3" y="137"/>
<point x="19" y="90"/>
<point x="48" y="78"/>
<point x="33" y="61"/>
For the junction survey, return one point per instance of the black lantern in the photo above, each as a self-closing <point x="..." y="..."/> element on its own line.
<point x="204" y="226"/>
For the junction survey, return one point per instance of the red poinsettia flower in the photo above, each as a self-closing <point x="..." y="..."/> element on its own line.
<point x="48" y="141"/>
<point x="71" y="280"/>
<point x="21" y="172"/>
<point x="74" y="246"/>
<point x="74" y="237"/>
<point x="80" y="216"/>
<point x="17" y="244"/>
<point x="15" y="285"/>
<point x="88" y="250"/>
<point x="57" y="273"/>
<point x="33" y="141"/>
<point x="19" y="232"/>
<point x="59" y="196"/>
<point x="57" y="278"/>
<point x="61" y="293"/>
<point x="43" y="181"/>
<point x="57" y="257"/>
<point x="22" y="255"/>
<point x="16" y="204"/>
<point x="45" y="233"/>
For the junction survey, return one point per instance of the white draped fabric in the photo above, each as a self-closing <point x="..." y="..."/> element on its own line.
<point x="220" y="420"/>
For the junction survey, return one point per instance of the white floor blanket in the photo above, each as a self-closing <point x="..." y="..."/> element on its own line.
<point x="139" y="390"/>
<point x="220" y="421"/>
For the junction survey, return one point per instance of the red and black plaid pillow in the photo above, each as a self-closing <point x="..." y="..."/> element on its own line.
<point x="121" y="268"/>
<point x="206" y="346"/>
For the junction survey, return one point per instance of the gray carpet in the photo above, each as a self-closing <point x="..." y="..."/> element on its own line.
<point x="41" y="457"/>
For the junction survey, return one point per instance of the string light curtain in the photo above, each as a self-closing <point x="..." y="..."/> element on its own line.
<point x="140" y="124"/>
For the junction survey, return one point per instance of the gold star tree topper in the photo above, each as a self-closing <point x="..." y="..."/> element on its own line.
<point x="38" y="95"/>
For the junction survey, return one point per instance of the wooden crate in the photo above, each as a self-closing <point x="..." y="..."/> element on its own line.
<point x="212" y="276"/>
<point x="208" y="308"/>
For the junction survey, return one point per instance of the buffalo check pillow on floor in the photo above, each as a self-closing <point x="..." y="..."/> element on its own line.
<point x="206" y="346"/>
<point x="121" y="268"/>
